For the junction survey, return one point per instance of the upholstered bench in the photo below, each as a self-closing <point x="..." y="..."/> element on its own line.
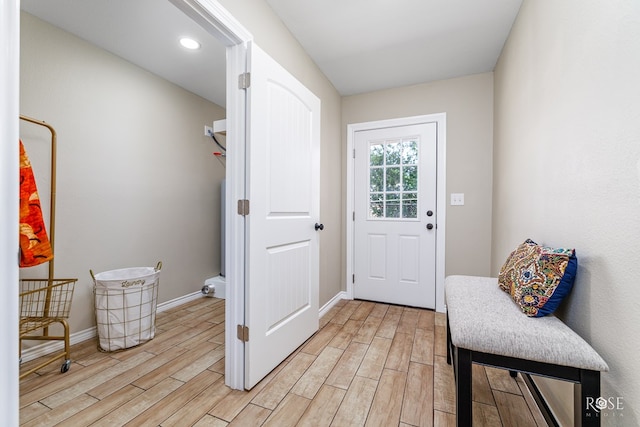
<point x="485" y="326"/>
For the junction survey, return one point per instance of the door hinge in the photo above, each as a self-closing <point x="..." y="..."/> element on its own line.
<point x="354" y="153"/>
<point x="354" y="215"/>
<point x="353" y="278"/>
<point x="243" y="333"/>
<point x="244" y="80"/>
<point x="243" y="207"/>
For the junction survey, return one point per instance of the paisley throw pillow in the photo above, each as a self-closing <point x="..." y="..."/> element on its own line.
<point x="538" y="277"/>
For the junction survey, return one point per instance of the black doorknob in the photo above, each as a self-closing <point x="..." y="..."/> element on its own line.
<point x="319" y="227"/>
<point x="429" y="226"/>
<point x="429" y="213"/>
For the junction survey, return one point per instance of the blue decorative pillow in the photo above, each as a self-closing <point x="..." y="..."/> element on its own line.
<point x="538" y="277"/>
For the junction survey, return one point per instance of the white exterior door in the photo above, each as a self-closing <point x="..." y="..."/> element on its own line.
<point x="395" y="214"/>
<point x="283" y="176"/>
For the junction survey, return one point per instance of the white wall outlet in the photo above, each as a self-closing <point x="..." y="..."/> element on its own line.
<point x="208" y="130"/>
<point x="457" y="199"/>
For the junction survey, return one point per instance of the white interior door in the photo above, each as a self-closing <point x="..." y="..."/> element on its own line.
<point x="283" y="167"/>
<point x="395" y="214"/>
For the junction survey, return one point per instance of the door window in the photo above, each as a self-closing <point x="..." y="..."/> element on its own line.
<point x="393" y="179"/>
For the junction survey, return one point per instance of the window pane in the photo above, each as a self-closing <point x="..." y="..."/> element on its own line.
<point x="410" y="153"/>
<point x="376" y="205"/>
<point x="376" y="179"/>
<point x="393" y="205"/>
<point x="376" y="209"/>
<point x="393" y="179"/>
<point x="409" y="205"/>
<point x="410" y="178"/>
<point x="376" y="155"/>
<point x="393" y="153"/>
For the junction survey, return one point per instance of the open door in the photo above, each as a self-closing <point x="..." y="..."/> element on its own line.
<point x="282" y="239"/>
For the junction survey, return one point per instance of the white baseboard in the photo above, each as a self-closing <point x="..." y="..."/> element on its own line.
<point x="56" y="346"/>
<point x="333" y="301"/>
<point x="87" y="334"/>
<point x="178" y="301"/>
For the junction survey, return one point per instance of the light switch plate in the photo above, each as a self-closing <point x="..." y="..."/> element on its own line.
<point x="457" y="199"/>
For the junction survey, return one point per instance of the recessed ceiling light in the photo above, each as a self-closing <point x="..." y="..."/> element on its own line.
<point x="188" y="43"/>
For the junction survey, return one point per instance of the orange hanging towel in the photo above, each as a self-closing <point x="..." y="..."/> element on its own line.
<point x="34" y="244"/>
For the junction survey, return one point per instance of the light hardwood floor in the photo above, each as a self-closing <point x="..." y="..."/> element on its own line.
<point x="369" y="364"/>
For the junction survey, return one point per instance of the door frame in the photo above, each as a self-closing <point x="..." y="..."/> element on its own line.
<point x="9" y="131"/>
<point x="223" y="26"/>
<point x="441" y="123"/>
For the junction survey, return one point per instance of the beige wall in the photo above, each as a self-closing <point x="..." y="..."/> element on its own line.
<point x="136" y="179"/>
<point x="468" y="103"/>
<point x="275" y="39"/>
<point x="567" y="169"/>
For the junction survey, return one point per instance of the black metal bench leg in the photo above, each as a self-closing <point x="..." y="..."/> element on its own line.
<point x="463" y="370"/>
<point x="590" y="392"/>
<point x="448" y="342"/>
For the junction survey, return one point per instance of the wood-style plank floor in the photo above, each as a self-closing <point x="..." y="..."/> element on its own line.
<point x="370" y="364"/>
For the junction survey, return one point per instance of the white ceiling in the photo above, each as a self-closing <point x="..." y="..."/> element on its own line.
<point x="366" y="45"/>
<point x="146" y="33"/>
<point x="360" y="45"/>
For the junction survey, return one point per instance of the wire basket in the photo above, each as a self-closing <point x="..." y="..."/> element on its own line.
<point x="43" y="302"/>
<point x="125" y="305"/>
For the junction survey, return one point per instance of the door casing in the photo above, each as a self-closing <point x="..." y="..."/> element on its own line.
<point x="9" y="184"/>
<point x="440" y="120"/>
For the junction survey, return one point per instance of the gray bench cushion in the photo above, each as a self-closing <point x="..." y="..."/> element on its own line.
<point x="484" y="318"/>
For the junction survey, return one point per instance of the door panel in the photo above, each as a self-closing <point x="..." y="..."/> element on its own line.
<point x="377" y="255"/>
<point x="409" y="259"/>
<point x="283" y="166"/>
<point x="395" y="186"/>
